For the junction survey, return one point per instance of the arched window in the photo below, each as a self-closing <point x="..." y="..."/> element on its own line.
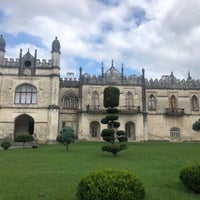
<point x="94" y="129"/>
<point x="25" y="94"/>
<point x="95" y="101"/>
<point x="129" y="101"/>
<point x="173" y="102"/>
<point x="70" y="102"/>
<point x="175" y="133"/>
<point x="194" y="103"/>
<point x="152" y="102"/>
<point x="130" y="130"/>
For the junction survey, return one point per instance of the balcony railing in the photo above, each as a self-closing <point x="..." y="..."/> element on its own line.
<point x="129" y="109"/>
<point x="174" y="111"/>
<point x="122" y="109"/>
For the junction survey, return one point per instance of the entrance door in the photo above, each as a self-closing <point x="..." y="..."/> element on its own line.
<point x="24" y="124"/>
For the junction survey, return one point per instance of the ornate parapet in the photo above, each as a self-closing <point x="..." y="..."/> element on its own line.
<point x="171" y="82"/>
<point x="10" y="62"/>
<point x="43" y="63"/>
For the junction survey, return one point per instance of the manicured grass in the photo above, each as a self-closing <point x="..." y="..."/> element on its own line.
<point x="51" y="173"/>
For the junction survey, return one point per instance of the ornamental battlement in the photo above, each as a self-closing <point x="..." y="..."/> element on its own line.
<point x="11" y="62"/>
<point x="43" y="63"/>
<point x="171" y="82"/>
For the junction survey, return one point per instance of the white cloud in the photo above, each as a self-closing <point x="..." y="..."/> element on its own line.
<point x="161" y="36"/>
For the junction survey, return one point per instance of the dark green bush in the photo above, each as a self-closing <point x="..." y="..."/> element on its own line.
<point x="116" y="124"/>
<point x="5" y="144"/>
<point x="24" y="138"/>
<point x="114" y="148"/>
<point x="112" y="117"/>
<point x="104" y="120"/>
<point x="190" y="177"/>
<point x="196" y="125"/>
<point x="110" y="185"/>
<point x="112" y="110"/>
<point x="111" y="97"/>
<point x="107" y="132"/>
<point x="111" y="148"/>
<point x="122" y="138"/>
<point x="121" y="132"/>
<point x="108" y="135"/>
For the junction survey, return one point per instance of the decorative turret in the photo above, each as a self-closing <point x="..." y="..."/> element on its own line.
<point x="2" y="49"/>
<point x="55" y="53"/>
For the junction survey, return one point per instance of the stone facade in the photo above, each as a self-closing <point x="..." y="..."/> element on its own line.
<point x="34" y="99"/>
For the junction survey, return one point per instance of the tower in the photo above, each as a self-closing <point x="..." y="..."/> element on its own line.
<point x="55" y="53"/>
<point x="2" y="49"/>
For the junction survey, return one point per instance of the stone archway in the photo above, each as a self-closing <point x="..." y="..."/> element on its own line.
<point x="24" y="124"/>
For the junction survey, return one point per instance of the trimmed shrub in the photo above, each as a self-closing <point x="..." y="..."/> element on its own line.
<point x="190" y="177"/>
<point x="112" y="117"/>
<point x="24" y="138"/>
<point x="112" y="110"/>
<point x="66" y="136"/>
<point x="5" y="145"/>
<point x="196" y="125"/>
<point x="108" y="135"/>
<point x="112" y="148"/>
<point x="111" y="97"/>
<point x="121" y="132"/>
<point x="110" y="185"/>
<point x="104" y="120"/>
<point x="111" y="101"/>
<point x="116" y="124"/>
<point x="107" y="132"/>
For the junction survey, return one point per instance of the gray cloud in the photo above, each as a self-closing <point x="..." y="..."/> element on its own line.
<point x="161" y="36"/>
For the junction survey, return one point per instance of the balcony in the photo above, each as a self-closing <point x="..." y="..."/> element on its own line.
<point x="122" y="109"/>
<point x="95" y="109"/>
<point x="174" y="112"/>
<point x="129" y="109"/>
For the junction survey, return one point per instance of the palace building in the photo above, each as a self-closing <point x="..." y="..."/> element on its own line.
<point x="34" y="99"/>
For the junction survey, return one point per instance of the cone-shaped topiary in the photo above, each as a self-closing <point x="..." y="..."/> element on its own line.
<point x="111" y="100"/>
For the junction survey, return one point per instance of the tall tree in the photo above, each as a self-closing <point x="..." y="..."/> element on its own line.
<point x="111" y="134"/>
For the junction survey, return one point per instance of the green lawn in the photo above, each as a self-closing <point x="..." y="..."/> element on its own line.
<point x="51" y="173"/>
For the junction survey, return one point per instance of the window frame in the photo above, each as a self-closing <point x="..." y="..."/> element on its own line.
<point x="194" y="103"/>
<point x="175" y="133"/>
<point x="129" y="101"/>
<point x="152" y="102"/>
<point x="25" y="94"/>
<point x="70" y="102"/>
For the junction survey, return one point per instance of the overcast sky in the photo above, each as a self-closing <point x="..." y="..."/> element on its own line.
<point x="158" y="35"/>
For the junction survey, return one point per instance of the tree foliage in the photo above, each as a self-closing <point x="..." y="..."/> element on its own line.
<point x="111" y="97"/>
<point x="111" y="101"/>
<point x="66" y="136"/>
<point x="5" y="144"/>
<point x="110" y="184"/>
<point x="24" y="138"/>
<point x="196" y="125"/>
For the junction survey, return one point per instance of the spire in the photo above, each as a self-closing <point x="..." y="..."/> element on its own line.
<point x="2" y="43"/>
<point x="112" y="63"/>
<point x="189" y="77"/>
<point x="122" y="73"/>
